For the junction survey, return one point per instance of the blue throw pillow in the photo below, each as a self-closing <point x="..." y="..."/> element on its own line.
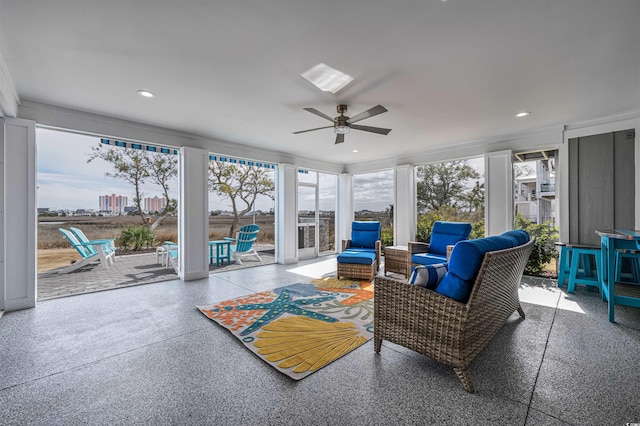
<point x="428" y="276"/>
<point x="455" y="287"/>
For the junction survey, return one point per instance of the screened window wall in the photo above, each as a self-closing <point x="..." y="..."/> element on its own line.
<point x="316" y="213"/>
<point x="450" y="191"/>
<point x="373" y="200"/>
<point x="241" y="192"/>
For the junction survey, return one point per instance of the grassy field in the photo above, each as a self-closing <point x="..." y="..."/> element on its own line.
<point x="55" y="251"/>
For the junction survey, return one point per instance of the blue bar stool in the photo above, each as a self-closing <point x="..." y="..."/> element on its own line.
<point x="634" y="262"/>
<point x="563" y="262"/>
<point x="581" y="256"/>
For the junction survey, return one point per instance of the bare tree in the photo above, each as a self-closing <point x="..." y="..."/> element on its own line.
<point x="137" y="167"/>
<point x="241" y="184"/>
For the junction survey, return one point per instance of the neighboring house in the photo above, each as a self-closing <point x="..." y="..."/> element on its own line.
<point x="535" y="194"/>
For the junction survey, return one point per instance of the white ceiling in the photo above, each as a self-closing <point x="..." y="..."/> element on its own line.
<point x="449" y="72"/>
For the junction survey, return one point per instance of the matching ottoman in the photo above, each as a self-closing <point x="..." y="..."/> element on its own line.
<point x="357" y="264"/>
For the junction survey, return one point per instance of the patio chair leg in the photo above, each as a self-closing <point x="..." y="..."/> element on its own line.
<point x="465" y="377"/>
<point x="520" y="311"/>
<point x="377" y="344"/>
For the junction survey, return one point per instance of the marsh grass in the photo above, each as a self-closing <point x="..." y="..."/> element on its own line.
<point x="55" y="251"/>
<point x="111" y="226"/>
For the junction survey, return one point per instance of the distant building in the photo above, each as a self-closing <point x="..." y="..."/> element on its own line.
<point x="155" y="204"/>
<point x="535" y="196"/>
<point x="112" y="203"/>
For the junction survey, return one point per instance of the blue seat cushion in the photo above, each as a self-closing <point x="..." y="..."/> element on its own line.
<point x="428" y="276"/>
<point x="428" y="259"/>
<point x="444" y="234"/>
<point x="357" y="257"/>
<point x="365" y="234"/>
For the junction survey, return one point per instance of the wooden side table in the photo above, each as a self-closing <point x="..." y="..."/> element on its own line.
<point x="395" y="260"/>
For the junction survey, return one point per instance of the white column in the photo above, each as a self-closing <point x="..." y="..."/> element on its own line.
<point x="498" y="212"/>
<point x="344" y="211"/>
<point x="404" y="205"/>
<point x="18" y="215"/>
<point x="287" y="214"/>
<point x="193" y="217"/>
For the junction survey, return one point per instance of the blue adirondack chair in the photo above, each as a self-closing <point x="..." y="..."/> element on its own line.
<point x="242" y="244"/>
<point x="171" y="250"/>
<point x="108" y="246"/>
<point x="88" y="256"/>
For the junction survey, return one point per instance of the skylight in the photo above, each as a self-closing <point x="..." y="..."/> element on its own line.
<point x="326" y="78"/>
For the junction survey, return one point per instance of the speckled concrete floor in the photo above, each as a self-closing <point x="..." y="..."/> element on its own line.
<point x="146" y="355"/>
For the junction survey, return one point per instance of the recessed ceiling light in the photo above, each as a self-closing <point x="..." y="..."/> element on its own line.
<point x="355" y="150"/>
<point x="523" y="114"/>
<point x="146" y="94"/>
<point x="326" y="78"/>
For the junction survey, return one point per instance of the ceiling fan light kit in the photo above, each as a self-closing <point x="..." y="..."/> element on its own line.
<point x="343" y="124"/>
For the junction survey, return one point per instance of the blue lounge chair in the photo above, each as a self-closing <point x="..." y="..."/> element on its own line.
<point x="87" y="255"/>
<point x="242" y="244"/>
<point x="108" y="246"/>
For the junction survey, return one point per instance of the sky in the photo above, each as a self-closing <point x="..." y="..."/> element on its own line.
<point x="67" y="181"/>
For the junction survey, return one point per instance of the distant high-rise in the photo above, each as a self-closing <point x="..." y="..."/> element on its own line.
<point x="155" y="204"/>
<point x="112" y="203"/>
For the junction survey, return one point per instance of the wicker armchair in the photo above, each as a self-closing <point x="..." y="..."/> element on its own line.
<point x="365" y="238"/>
<point x="449" y="331"/>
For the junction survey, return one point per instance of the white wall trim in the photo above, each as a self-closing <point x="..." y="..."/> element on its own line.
<point x="19" y="222"/>
<point x="286" y="214"/>
<point x="193" y="218"/>
<point x="498" y="192"/>
<point x="9" y="99"/>
<point x="405" y="208"/>
<point x="99" y="125"/>
<point x="537" y="139"/>
<point x="345" y="212"/>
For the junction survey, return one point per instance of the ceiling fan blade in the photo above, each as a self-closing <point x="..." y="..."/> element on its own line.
<point x="379" y="109"/>
<point x="318" y="113"/>
<point x="339" y="138"/>
<point x="378" y="130"/>
<point x="311" y="130"/>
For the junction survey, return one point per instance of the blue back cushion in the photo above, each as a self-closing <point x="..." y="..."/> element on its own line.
<point x="468" y="255"/>
<point x="365" y="234"/>
<point x="447" y="233"/>
<point x="464" y="265"/>
<point x="521" y="236"/>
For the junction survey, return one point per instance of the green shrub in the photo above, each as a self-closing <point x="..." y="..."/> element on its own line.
<point x="386" y="236"/>
<point x="544" y="249"/>
<point x="135" y="238"/>
<point x="425" y="225"/>
<point x="426" y="221"/>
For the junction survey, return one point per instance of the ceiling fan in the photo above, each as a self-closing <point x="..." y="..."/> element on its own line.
<point x="343" y="124"/>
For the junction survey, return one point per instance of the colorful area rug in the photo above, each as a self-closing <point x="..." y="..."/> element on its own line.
<point x="300" y="328"/>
